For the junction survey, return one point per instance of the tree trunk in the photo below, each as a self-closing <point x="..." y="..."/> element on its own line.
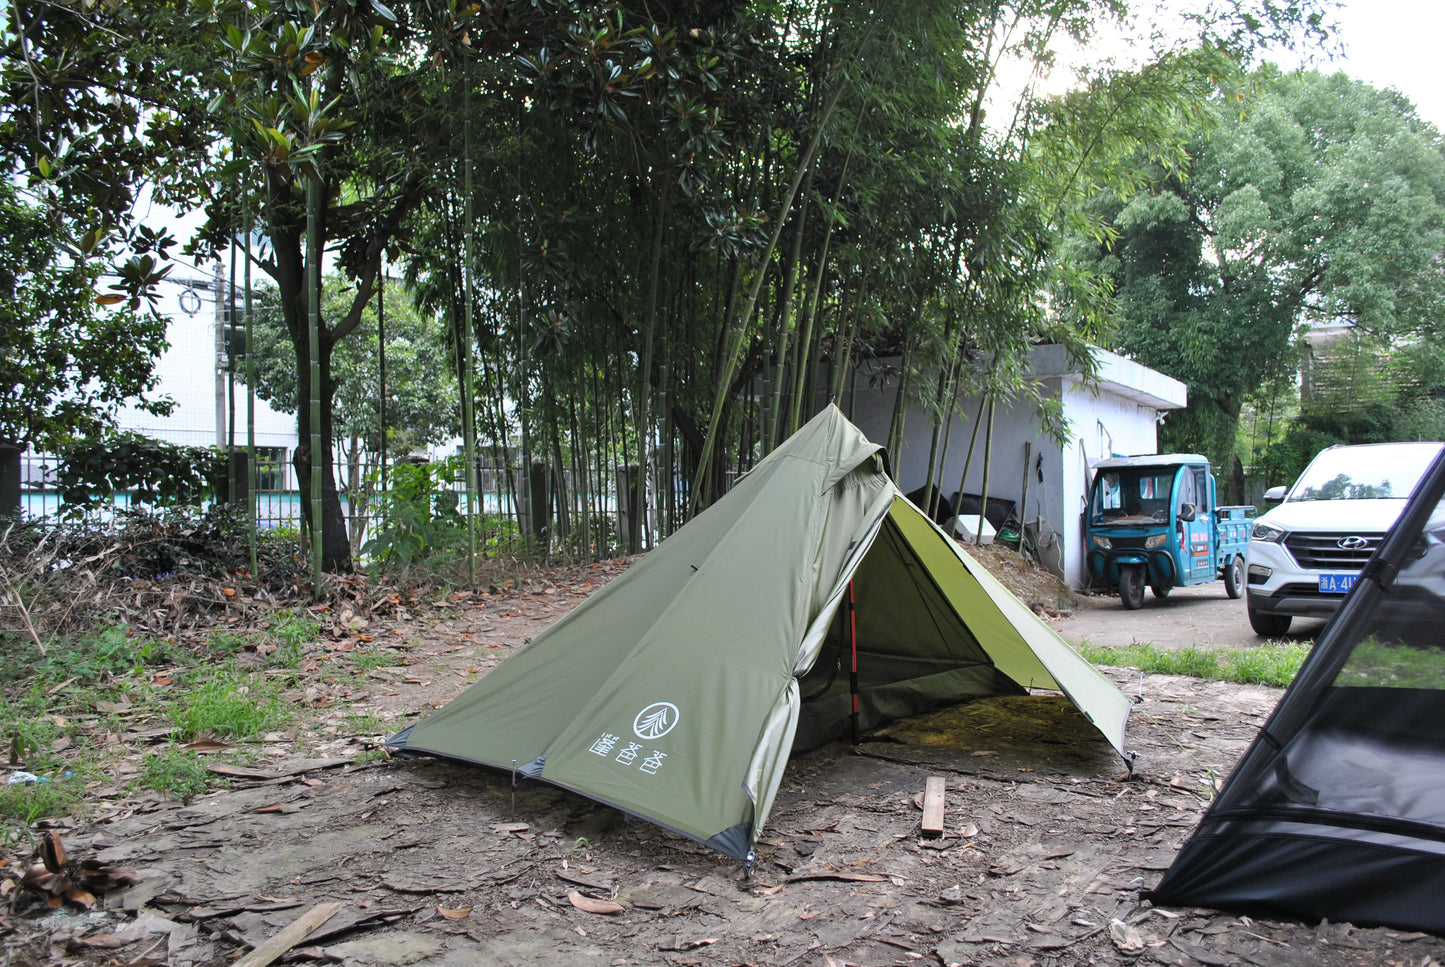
<point x="335" y="544"/>
<point x="9" y="481"/>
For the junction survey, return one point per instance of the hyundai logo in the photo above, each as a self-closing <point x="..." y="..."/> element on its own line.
<point x="1352" y="543"/>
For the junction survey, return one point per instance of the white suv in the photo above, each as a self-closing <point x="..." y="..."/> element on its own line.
<point x="1304" y="555"/>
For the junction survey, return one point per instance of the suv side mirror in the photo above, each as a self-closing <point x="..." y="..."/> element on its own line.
<point x="1275" y="495"/>
<point x="1187" y="512"/>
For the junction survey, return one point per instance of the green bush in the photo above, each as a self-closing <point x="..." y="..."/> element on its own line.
<point x="418" y="516"/>
<point x="153" y="472"/>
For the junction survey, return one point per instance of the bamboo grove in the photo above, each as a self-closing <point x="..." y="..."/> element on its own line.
<point x="657" y="235"/>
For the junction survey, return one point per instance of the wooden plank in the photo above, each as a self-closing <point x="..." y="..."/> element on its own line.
<point x="1024" y="492"/>
<point x="298" y="931"/>
<point x="933" y="807"/>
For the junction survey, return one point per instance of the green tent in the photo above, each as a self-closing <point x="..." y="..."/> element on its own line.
<point x="677" y="692"/>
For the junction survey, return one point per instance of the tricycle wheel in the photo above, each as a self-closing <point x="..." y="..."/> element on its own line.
<point x="1234" y="577"/>
<point x="1161" y="590"/>
<point x="1131" y="587"/>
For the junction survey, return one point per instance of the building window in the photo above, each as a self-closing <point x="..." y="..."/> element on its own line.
<point x="271" y="468"/>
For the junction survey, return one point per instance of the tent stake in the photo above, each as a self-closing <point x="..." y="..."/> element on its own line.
<point x="853" y="672"/>
<point x="514" y="787"/>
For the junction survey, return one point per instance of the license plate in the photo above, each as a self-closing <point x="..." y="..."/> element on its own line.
<point x="1337" y="583"/>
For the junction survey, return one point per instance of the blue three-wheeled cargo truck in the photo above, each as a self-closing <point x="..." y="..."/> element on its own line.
<point x="1153" y="520"/>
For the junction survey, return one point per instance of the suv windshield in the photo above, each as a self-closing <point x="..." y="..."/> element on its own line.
<point x="1346" y="473"/>
<point x="1131" y="495"/>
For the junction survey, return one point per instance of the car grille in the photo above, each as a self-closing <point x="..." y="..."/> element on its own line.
<point x="1128" y="543"/>
<point x="1303" y="591"/>
<point x="1322" y="552"/>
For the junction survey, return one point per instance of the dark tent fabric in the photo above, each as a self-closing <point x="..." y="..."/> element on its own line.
<point x="923" y="496"/>
<point x="1337" y="809"/>
<point x="996" y="513"/>
<point x="678" y="691"/>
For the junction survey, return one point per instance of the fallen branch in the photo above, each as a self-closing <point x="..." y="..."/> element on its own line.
<point x="266" y="775"/>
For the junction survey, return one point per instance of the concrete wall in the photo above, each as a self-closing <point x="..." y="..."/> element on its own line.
<point x="1112" y="417"/>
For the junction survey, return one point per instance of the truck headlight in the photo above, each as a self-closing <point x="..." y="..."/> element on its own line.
<point x="1268" y="533"/>
<point x="1154" y="541"/>
<point x="1103" y="543"/>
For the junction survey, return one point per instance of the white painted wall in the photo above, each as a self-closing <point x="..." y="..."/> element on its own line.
<point x="1117" y="415"/>
<point x="192" y="373"/>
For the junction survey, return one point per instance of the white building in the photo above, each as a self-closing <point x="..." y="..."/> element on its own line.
<point x="1118" y="414"/>
<point x="210" y="405"/>
<point x="211" y="402"/>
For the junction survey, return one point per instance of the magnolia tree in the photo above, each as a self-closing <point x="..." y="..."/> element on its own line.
<point x="67" y="359"/>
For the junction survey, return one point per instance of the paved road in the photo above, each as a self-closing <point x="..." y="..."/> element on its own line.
<point x="1202" y="616"/>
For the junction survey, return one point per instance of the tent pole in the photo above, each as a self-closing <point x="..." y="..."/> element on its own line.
<point x="853" y="671"/>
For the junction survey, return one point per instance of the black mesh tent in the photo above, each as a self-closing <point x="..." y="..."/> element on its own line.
<point x="1336" y="811"/>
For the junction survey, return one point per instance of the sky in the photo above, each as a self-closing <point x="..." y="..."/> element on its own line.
<point x="1386" y="43"/>
<point x="1395" y="43"/>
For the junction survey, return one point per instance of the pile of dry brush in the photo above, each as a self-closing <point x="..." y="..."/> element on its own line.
<point x="168" y="576"/>
<point x="177" y="576"/>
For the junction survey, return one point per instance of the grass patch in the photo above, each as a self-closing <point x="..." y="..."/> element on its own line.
<point x="34" y="725"/>
<point x="295" y="630"/>
<point x="27" y="802"/>
<point x="102" y="655"/>
<point x="1375" y="664"/>
<point x="176" y="774"/>
<point x="229" y="706"/>
<point x="362" y="723"/>
<point x="227" y="642"/>
<point x="370" y="659"/>
<point x="292" y="632"/>
<point x="1272" y="664"/>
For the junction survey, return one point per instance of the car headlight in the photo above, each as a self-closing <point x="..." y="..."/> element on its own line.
<point x="1268" y="533"/>
<point x="1154" y="541"/>
<point x="1103" y="543"/>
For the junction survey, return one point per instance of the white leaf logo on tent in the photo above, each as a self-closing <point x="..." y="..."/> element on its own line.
<point x="656" y="720"/>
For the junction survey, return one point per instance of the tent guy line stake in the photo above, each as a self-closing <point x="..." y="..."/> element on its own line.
<point x="514" y="787"/>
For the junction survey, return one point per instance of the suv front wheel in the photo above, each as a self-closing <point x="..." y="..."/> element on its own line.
<point x="1267" y="625"/>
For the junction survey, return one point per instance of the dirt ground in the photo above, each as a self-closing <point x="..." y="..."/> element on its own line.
<point x="1049" y="839"/>
<point x="1202" y="616"/>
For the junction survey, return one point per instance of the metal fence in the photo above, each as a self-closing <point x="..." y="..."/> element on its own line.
<point x="364" y="494"/>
